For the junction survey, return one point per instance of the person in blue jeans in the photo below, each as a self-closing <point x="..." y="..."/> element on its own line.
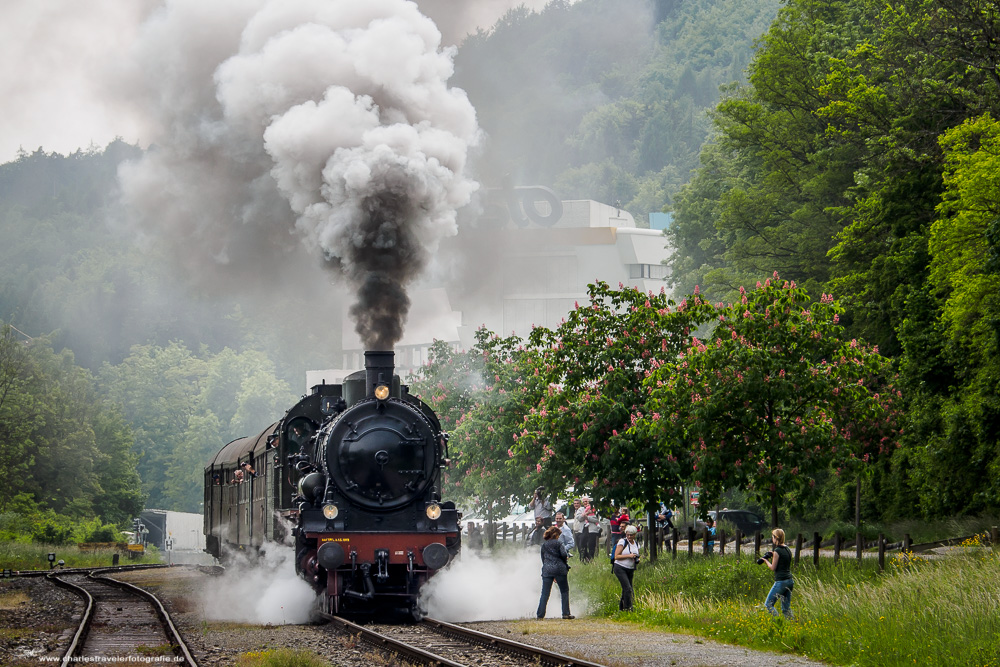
<point x="780" y="563"/>
<point x="554" y="568"/>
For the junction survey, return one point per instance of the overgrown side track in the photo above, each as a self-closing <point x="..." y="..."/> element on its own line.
<point x="442" y="644"/>
<point x="120" y="619"/>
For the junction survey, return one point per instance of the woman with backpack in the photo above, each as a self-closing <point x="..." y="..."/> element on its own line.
<point x="626" y="559"/>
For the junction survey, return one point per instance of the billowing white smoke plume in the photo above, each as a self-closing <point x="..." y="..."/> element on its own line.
<point x="323" y="124"/>
<point x="472" y="588"/>
<point x="266" y="591"/>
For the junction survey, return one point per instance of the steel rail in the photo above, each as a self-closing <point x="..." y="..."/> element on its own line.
<point x="180" y="646"/>
<point x="79" y="637"/>
<point x="387" y="643"/>
<point x="526" y="650"/>
<point x="81" y="630"/>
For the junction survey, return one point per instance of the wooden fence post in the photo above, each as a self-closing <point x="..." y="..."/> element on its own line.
<point x="881" y="552"/>
<point x="504" y="531"/>
<point x="816" y="543"/>
<point x="722" y="543"/>
<point x="798" y="547"/>
<point x="756" y="544"/>
<point x="738" y="540"/>
<point x="860" y="546"/>
<point x="673" y="544"/>
<point x="995" y="536"/>
<point x="836" y="547"/>
<point x="907" y="542"/>
<point x="690" y="541"/>
<point x="704" y="541"/>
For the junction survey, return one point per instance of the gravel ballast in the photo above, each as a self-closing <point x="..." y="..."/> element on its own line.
<point x="49" y="613"/>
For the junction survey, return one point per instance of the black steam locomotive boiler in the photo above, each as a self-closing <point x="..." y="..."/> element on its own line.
<point x="353" y="472"/>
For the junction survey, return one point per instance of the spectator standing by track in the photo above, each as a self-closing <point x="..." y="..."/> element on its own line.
<point x="780" y="563"/>
<point x="626" y="559"/>
<point x="616" y="526"/>
<point x="537" y="535"/>
<point x="542" y="506"/>
<point x="579" y="518"/>
<point x="664" y="525"/>
<point x="554" y="568"/>
<point x="475" y="538"/>
<point x="591" y="531"/>
<point x="566" y="533"/>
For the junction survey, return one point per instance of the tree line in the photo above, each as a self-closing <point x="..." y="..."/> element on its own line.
<point x="860" y="159"/>
<point x="635" y="397"/>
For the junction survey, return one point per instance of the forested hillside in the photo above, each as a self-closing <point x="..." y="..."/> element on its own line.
<point x="150" y="379"/>
<point x="606" y="99"/>
<point x="861" y="159"/>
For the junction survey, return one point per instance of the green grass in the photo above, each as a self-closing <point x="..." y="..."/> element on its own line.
<point x="917" y="612"/>
<point x="34" y="556"/>
<point x="280" y="658"/>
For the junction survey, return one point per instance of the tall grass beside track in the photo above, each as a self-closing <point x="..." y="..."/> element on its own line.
<point x="33" y="556"/>
<point x="919" y="611"/>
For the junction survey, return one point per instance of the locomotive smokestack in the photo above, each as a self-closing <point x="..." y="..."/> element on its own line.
<point x="379" y="368"/>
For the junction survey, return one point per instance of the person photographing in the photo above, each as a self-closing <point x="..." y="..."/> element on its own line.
<point x="541" y="506"/>
<point x="626" y="559"/>
<point x="779" y="561"/>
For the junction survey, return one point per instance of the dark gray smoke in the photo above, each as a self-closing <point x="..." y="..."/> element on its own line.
<point x="324" y="125"/>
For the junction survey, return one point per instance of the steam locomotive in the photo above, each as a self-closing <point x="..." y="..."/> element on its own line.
<point x="352" y="473"/>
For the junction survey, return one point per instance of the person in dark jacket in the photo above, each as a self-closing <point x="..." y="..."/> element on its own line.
<point x="554" y="567"/>
<point x="475" y="538"/>
<point x="537" y="535"/>
<point x="780" y="563"/>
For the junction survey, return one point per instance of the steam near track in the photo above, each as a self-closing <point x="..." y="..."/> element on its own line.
<point x="504" y="586"/>
<point x="264" y="591"/>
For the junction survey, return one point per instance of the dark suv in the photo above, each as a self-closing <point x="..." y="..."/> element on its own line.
<point x="748" y="522"/>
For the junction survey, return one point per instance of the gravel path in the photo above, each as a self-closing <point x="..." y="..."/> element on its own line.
<point x="627" y="645"/>
<point x="598" y="640"/>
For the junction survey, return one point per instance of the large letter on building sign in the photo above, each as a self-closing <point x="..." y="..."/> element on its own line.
<point x="523" y="204"/>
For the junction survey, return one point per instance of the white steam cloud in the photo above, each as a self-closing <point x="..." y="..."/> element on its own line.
<point x="474" y="588"/>
<point x="265" y="591"/>
<point x="288" y="124"/>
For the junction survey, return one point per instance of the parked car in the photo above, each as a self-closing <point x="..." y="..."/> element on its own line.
<point x="748" y="522"/>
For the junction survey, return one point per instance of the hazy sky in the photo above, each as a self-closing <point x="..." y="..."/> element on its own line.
<point x="60" y="85"/>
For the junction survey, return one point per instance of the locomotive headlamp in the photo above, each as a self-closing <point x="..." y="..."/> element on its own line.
<point x="381" y="392"/>
<point x="330" y="511"/>
<point x="433" y="511"/>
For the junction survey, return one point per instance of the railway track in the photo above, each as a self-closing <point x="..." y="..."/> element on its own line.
<point x="441" y="644"/>
<point x="120" y="620"/>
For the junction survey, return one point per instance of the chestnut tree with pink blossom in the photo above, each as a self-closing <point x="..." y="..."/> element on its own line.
<point x="589" y="378"/>
<point x="481" y="397"/>
<point x="772" y="399"/>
